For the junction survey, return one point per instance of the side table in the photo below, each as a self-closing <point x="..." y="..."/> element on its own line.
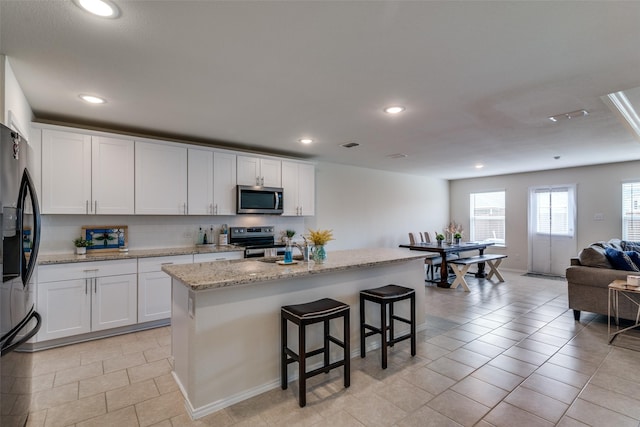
<point x="619" y="288"/>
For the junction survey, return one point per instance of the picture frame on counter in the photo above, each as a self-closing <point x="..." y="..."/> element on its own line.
<point x="106" y="238"/>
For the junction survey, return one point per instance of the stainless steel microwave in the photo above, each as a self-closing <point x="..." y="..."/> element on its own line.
<point x="259" y="200"/>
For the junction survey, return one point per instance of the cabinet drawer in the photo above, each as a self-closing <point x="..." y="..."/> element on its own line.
<point x="81" y="270"/>
<point x="147" y="265"/>
<point x="218" y="256"/>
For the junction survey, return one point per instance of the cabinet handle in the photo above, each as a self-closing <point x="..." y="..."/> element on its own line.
<point x="216" y="209"/>
<point x="95" y="286"/>
<point x="262" y="181"/>
<point x="90" y="270"/>
<point x="86" y="206"/>
<point x="85" y="286"/>
<point x="95" y="209"/>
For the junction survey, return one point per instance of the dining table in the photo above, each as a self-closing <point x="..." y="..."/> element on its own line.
<point x="444" y="248"/>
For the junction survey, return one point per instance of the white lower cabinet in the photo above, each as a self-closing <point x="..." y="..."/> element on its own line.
<point x="154" y="287"/>
<point x="85" y="297"/>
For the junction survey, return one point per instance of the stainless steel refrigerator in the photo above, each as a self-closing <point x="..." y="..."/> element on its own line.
<point x="19" y="322"/>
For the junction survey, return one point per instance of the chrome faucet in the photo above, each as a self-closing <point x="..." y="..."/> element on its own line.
<point x="305" y="250"/>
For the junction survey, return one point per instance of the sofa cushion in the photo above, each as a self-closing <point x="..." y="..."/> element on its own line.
<point x="594" y="256"/>
<point x="620" y="260"/>
<point x="630" y="246"/>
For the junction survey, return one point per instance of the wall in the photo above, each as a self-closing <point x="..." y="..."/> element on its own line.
<point x="363" y="207"/>
<point x="17" y="113"/>
<point x="599" y="191"/>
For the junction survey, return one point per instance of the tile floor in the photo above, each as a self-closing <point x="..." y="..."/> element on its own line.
<point x="506" y="354"/>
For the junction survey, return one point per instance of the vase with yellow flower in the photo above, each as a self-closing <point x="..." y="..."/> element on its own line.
<point x="320" y="238"/>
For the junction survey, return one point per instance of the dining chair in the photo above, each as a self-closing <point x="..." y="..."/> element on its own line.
<point x="427" y="237"/>
<point x="431" y="262"/>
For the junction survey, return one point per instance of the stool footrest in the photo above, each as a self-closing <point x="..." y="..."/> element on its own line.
<point x="398" y="339"/>
<point x="324" y="369"/>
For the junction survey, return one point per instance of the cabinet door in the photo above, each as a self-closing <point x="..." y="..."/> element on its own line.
<point x="114" y="301"/>
<point x="291" y="206"/>
<point x="66" y="173"/>
<point x="161" y="179"/>
<point x="307" y="189"/>
<point x="224" y="184"/>
<point x="65" y="308"/>
<point x="271" y="172"/>
<point x="154" y="296"/>
<point x="248" y="170"/>
<point x="200" y="182"/>
<point x="112" y="176"/>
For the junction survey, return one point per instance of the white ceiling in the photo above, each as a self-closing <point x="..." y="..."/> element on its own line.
<point x="478" y="79"/>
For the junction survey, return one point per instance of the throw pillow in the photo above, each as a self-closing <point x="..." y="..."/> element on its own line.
<point x="631" y="246"/>
<point x="634" y="256"/>
<point x="620" y="260"/>
<point x="594" y="256"/>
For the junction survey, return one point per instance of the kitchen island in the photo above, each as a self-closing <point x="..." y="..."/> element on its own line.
<point x="225" y="321"/>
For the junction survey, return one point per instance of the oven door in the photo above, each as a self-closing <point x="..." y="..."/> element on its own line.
<point x="264" y="252"/>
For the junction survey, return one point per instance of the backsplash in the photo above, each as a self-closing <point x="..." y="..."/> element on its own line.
<point x="151" y="232"/>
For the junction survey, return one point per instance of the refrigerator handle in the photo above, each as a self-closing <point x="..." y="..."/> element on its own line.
<point x="9" y="346"/>
<point x="27" y="188"/>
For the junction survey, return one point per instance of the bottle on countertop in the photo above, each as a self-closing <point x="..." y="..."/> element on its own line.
<point x="222" y="238"/>
<point x="200" y="237"/>
<point x="288" y="252"/>
<point x="205" y="240"/>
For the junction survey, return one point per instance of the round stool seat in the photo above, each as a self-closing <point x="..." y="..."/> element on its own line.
<point x="320" y="308"/>
<point x="389" y="291"/>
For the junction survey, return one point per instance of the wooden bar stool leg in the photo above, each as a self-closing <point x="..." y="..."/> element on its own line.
<point x="347" y="349"/>
<point x="283" y="353"/>
<point x="362" y="330"/>
<point x="302" y="365"/>
<point x="383" y="330"/>
<point x="391" y="334"/>
<point x="412" y="301"/>
<point x="326" y="346"/>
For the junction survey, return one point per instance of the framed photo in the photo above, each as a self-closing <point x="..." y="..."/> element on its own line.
<point x="105" y="238"/>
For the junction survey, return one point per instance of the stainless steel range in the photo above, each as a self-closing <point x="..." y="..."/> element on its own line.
<point x="257" y="241"/>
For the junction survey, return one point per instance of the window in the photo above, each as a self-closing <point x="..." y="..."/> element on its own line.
<point x="554" y="211"/>
<point x="487" y="217"/>
<point x="631" y="211"/>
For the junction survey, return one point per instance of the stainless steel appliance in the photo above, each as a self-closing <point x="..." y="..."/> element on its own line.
<point x="257" y="241"/>
<point x="259" y="200"/>
<point x="19" y="321"/>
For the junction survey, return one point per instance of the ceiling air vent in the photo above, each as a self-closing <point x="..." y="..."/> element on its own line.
<point x="397" y="156"/>
<point x="349" y="144"/>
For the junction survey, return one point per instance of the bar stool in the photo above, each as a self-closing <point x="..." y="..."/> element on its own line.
<point x="302" y="315"/>
<point x="387" y="296"/>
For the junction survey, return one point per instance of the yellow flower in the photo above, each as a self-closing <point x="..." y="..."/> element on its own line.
<point x="320" y="237"/>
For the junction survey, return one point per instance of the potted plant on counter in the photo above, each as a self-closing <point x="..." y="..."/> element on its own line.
<point x="319" y="238"/>
<point x="457" y="237"/>
<point x="82" y="245"/>
<point x="439" y="238"/>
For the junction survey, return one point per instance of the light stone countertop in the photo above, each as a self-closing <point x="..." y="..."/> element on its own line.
<point x="134" y="254"/>
<point x="220" y="274"/>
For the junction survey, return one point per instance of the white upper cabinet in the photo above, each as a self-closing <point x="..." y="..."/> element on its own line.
<point x="112" y="176"/>
<point x="83" y="174"/>
<point x="66" y="173"/>
<point x="160" y="178"/>
<point x="259" y="171"/>
<point x="200" y="182"/>
<point x="224" y="183"/>
<point x="298" y="182"/>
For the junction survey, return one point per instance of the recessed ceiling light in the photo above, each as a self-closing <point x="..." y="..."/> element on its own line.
<point x="479" y="166"/>
<point x="101" y="8"/>
<point x="569" y="116"/>
<point x="394" y="109"/>
<point x="92" y="99"/>
<point x="397" y="156"/>
<point x="305" y="140"/>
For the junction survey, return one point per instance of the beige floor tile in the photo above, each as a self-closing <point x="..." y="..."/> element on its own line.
<point x="446" y="342"/>
<point x="125" y="417"/>
<point x="426" y="417"/>
<point x="184" y="420"/>
<point x="538" y="347"/>
<point x="574" y="363"/>
<point x="595" y="415"/>
<point x="459" y="408"/>
<point x="255" y="421"/>
<point x="166" y="383"/>
<point x="525" y="355"/>
<point x="626" y="405"/>
<point x="483" y="348"/>
<point x="91" y="356"/>
<point x="76" y="411"/>
<point x="148" y="370"/>
<point x="429" y="380"/>
<point x="160" y="408"/>
<point x="37" y="419"/>
<point x="468" y="357"/>
<point x="50" y="361"/>
<point x="123" y="362"/>
<point x="54" y="397"/>
<point x="403" y="394"/>
<point x="131" y="394"/>
<point x="538" y="404"/>
<point x="450" y="368"/>
<point x="487" y="394"/>
<point x="157" y="353"/>
<point x="374" y="411"/>
<point x="339" y="419"/>
<point x="506" y="415"/>
<point x="289" y="413"/>
<point x="252" y="407"/>
<point x="39" y="383"/>
<point x="497" y="340"/>
<point x="430" y="351"/>
<point x="570" y="422"/>
<point x="78" y="373"/>
<point x="549" y="387"/>
<point x="140" y="345"/>
<point x="503" y="379"/>
<point x="565" y="375"/>
<point x="515" y="366"/>
<point x="218" y="419"/>
<point x="103" y="383"/>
